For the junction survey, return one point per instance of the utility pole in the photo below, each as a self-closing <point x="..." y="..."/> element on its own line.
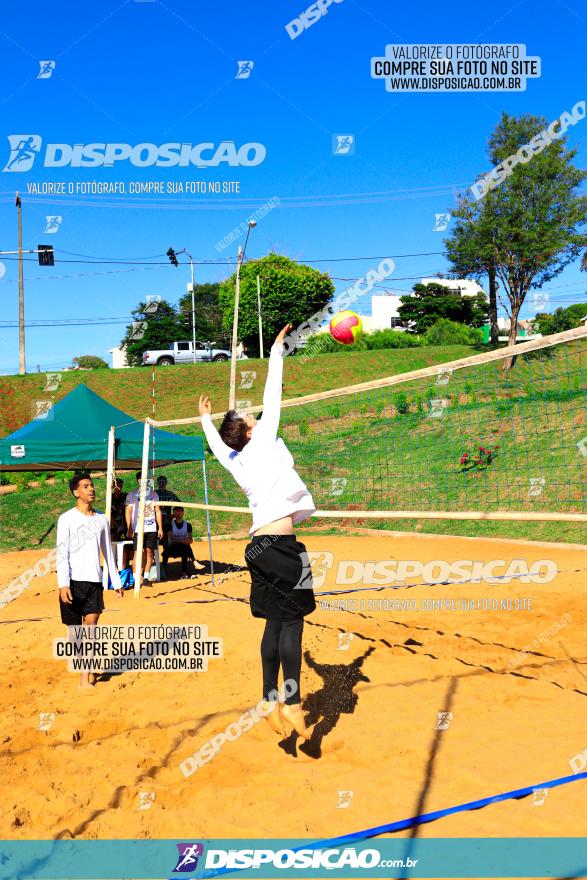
<point x="239" y="261"/>
<point x="21" y="345"/>
<point x="260" y="324"/>
<point x="494" y="331"/>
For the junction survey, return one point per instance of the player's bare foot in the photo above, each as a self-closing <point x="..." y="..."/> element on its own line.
<point x="294" y="716"/>
<point x="273" y="716"/>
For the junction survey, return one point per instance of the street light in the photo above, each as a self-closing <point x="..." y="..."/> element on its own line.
<point x="239" y="261"/>
<point x="172" y="254"/>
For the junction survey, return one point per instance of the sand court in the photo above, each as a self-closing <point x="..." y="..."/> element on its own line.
<point x="412" y="708"/>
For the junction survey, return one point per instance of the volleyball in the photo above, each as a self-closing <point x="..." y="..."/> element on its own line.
<point x="346" y="327"/>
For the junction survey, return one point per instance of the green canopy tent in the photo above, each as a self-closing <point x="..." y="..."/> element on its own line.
<point x="84" y="431"/>
<point x="73" y="434"/>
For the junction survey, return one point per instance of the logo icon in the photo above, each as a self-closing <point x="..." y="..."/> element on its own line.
<point x="244" y="69"/>
<point x="538" y="796"/>
<point x="344" y="641"/>
<point x="444" y="376"/>
<point x="146" y="800"/>
<point x="441" y="222"/>
<point x="540" y="300"/>
<point x="152" y="301"/>
<point x="343" y="145"/>
<point x="338" y="485"/>
<point x="46" y="69"/>
<point x="24" y="149"/>
<point x="17" y="451"/>
<point x="582" y="446"/>
<point x="53" y="223"/>
<point x="187" y="860"/>
<point x="437" y="407"/>
<point x="42" y="409"/>
<point x="138" y="330"/>
<point x="247" y="378"/>
<point x="344" y="800"/>
<point x="46" y="719"/>
<point x="444" y="719"/>
<point x="242" y="406"/>
<point x="536" y="486"/>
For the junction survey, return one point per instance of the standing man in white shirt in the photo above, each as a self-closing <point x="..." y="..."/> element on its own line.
<point x="281" y="581"/>
<point x="153" y="526"/>
<point x="82" y="533"/>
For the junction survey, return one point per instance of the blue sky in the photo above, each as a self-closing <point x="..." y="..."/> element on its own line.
<point x="158" y="72"/>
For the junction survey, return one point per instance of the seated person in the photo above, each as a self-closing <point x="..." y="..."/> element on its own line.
<point x="117" y="518"/>
<point x="165" y="495"/>
<point x="179" y="541"/>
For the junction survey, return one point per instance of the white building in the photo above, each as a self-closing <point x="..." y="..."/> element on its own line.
<point x="464" y="285"/>
<point x="118" y="355"/>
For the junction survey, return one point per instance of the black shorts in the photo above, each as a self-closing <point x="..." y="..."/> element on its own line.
<point x="88" y="598"/>
<point x="281" y="578"/>
<point x="150" y="541"/>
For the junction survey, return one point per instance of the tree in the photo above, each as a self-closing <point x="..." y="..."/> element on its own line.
<point x="90" y="362"/>
<point x="153" y="328"/>
<point x="208" y="312"/>
<point x="561" y="319"/>
<point x="527" y="227"/>
<point x="289" y="293"/>
<point x="429" y="302"/>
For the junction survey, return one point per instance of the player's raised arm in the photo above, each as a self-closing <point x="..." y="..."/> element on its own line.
<point x="272" y="396"/>
<point x="222" y="452"/>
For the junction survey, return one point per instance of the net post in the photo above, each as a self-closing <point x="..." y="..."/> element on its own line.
<point x="208" y="518"/>
<point x="141" y="514"/>
<point x="109" y="475"/>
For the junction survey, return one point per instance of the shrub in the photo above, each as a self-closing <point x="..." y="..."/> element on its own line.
<point x="445" y="332"/>
<point x="402" y="404"/>
<point x="391" y="339"/>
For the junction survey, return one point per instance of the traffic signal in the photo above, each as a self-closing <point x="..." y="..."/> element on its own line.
<point x="187" y="320"/>
<point x="172" y="257"/>
<point x="46" y="256"/>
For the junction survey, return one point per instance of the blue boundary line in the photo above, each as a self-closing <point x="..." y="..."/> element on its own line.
<point x="423" y="819"/>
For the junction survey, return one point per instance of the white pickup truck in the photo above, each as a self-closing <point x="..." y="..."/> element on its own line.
<point x="183" y="353"/>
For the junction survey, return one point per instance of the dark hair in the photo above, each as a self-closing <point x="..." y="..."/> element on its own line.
<point x="233" y="430"/>
<point x="75" y="481"/>
<point x="119" y="482"/>
<point x="138" y="475"/>
<point x="177" y="507"/>
<point x="161" y="477"/>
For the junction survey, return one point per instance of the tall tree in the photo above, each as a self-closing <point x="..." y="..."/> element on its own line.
<point x="430" y="302"/>
<point x="208" y="312"/>
<point x="152" y="328"/>
<point x="528" y="227"/>
<point x="290" y="292"/>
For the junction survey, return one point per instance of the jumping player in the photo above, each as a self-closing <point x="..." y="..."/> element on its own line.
<point x="82" y="533"/>
<point x="263" y="467"/>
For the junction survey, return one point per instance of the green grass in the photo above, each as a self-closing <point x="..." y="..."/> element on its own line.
<point x="383" y="447"/>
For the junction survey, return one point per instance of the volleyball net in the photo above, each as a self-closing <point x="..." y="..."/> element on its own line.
<point x="467" y="439"/>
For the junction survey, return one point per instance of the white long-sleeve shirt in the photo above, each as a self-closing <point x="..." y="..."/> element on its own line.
<point x="264" y="469"/>
<point x="80" y="539"/>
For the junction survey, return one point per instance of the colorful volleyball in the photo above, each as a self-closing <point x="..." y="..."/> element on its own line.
<point x="346" y="327"/>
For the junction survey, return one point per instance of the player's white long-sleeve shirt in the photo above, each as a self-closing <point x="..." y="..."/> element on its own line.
<point x="79" y="541"/>
<point x="264" y="469"/>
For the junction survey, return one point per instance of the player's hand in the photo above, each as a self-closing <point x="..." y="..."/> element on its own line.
<point x="130" y="534"/>
<point x="205" y="405"/>
<point x="160" y="534"/>
<point x="65" y="595"/>
<point x="283" y="333"/>
<point x="120" y="593"/>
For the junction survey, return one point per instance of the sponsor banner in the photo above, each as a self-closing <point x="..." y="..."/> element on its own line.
<point x="382" y="858"/>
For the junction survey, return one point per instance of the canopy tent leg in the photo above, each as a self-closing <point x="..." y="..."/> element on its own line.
<point x="208" y="518"/>
<point x="141" y="516"/>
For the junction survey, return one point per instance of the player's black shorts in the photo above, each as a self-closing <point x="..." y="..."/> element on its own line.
<point x="150" y="541"/>
<point x="88" y="598"/>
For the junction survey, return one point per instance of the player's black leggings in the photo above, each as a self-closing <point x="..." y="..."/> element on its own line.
<point x="282" y="644"/>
